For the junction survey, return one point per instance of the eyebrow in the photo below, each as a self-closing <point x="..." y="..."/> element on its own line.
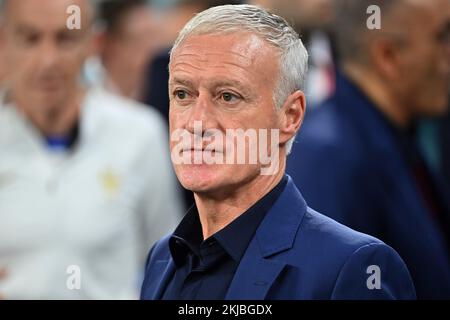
<point x="23" y="29"/>
<point x="229" y="83"/>
<point x="27" y="29"/>
<point x="184" y="82"/>
<point x="213" y="84"/>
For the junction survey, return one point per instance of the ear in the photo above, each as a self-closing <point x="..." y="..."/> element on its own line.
<point x="384" y="54"/>
<point x="291" y="115"/>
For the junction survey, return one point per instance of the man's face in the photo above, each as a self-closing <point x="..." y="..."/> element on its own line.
<point x="425" y="59"/>
<point x="226" y="82"/>
<point x="131" y="46"/>
<point x="43" y="56"/>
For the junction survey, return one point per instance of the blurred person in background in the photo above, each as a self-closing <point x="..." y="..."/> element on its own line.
<point x="357" y="160"/>
<point x="129" y="37"/>
<point x="85" y="183"/>
<point x="313" y="20"/>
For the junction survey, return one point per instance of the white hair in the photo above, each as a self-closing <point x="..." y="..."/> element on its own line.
<point x="273" y="29"/>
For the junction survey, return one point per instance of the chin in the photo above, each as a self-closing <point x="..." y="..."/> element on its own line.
<point x="199" y="178"/>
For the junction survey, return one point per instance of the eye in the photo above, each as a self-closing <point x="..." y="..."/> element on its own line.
<point x="228" y="96"/>
<point x="30" y="39"/>
<point x="181" y="94"/>
<point x="66" y="38"/>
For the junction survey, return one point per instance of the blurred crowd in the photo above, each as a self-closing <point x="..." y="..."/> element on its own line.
<point x="85" y="172"/>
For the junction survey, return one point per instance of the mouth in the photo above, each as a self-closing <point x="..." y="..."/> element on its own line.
<point x="49" y="81"/>
<point x="205" y="150"/>
<point x="201" y="153"/>
<point x="49" y="86"/>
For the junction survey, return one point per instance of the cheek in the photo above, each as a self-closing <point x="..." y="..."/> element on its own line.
<point x="20" y="68"/>
<point x="265" y="117"/>
<point x="411" y="75"/>
<point x="424" y="65"/>
<point x="72" y="62"/>
<point x="16" y="59"/>
<point x="176" y="118"/>
<point x="177" y="130"/>
<point x="433" y="79"/>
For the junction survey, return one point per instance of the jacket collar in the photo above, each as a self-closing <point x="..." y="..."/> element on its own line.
<point x="256" y="274"/>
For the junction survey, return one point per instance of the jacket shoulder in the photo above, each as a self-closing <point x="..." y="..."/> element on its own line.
<point x="336" y="262"/>
<point x="324" y="231"/>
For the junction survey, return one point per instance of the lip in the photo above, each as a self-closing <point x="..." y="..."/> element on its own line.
<point x="200" y="150"/>
<point x="49" y="86"/>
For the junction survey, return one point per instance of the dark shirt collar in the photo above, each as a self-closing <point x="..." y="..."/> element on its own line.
<point x="234" y="238"/>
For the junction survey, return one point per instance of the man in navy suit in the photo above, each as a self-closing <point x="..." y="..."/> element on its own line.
<point x="236" y="74"/>
<point x="356" y="159"/>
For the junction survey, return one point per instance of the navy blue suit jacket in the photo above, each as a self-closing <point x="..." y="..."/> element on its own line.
<point x="298" y="253"/>
<point x="349" y="167"/>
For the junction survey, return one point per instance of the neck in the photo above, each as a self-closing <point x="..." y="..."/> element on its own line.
<point x="216" y="212"/>
<point x="56" y="120"/>
<point x="377" y="90"/>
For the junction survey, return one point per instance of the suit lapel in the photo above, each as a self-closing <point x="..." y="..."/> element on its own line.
<point x="259" y="267"/>
<point x="167" y="269"/>
<point x="254" y="277"/>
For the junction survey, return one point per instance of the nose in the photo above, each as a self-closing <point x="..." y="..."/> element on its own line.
<point x="48" y="54"/>
<point x="202" y="112"/>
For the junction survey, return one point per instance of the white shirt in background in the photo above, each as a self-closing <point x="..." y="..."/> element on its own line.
<point x="86" y="217"/>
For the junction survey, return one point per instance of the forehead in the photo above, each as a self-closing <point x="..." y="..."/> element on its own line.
<point x="44" y="14"/>
<point x="137" y="17"/>
<point x="242" y="54"/>
<point x="438" y="10"/>
<point x="426" y="16"/>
